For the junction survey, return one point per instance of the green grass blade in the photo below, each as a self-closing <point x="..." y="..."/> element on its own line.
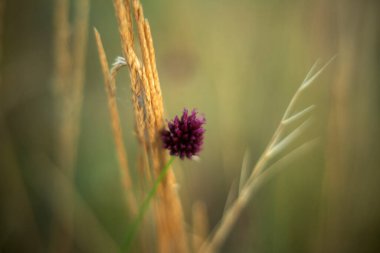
<point x="298" y="115"/>
<point x="144" y="207"/>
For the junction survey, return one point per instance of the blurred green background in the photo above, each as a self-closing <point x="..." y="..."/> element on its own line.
<point x="237" y="61"/>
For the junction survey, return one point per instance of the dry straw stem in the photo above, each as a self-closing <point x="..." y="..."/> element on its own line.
<point x="127" y="4"/>
<point x="148" y="106"/>
<point x="69" y="69"/>
<point x="200" y="225"/>
<point x="159" y="107"/>
<point x="123" y="14"/>
<point x="154" y="112"/>
<point x="135" y="70"/>
<point x="109" y="83"/>
<point x="145" y="77"/>
<point x="61" y="239"/>
<point x="72" y="95"/>
<point x="171" y="232"/>
<point x="261" y="173"/>
<point x="61" y="46"/>
<point x="79" y="53"/>
<point x="69" y="76"/>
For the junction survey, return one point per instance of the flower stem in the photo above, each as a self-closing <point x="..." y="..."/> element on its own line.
<point x="144" y="207"/>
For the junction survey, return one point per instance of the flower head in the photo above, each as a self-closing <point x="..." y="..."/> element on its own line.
<point x="184" y="138"/>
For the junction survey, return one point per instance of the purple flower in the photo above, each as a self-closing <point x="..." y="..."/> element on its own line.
<point x="184" y="138"/>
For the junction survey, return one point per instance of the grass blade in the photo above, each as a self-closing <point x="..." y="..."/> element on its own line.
<point x="289" y="138"/>
<point x="308" y="81"/>
<point x="144" y="207"/>
<point x="244" y="170"/>
<point x="298" y="115"/>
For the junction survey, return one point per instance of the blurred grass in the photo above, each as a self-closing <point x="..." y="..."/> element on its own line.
<point x="239" y="62"/>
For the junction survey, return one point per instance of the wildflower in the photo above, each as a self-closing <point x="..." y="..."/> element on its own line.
<point x="184" y="138"/>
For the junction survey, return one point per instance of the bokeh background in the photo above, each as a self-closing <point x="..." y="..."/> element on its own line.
<point x="237" y="61"/>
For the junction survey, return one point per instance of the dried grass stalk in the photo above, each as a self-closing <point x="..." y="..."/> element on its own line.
<point x="127" y="5"/>
<point x="135" y="71"/>
<point x="159" y="108"/>
<point x="62" y="55"/>
<point x="68" y="81"/>
<point x="61" y="235"/>
<point x="148" y="106"/>
<point x="110" y="88"/>
<point x="149" y="84"/>
<point x="69" y="76"/>
<point x="262" y="172"/>
<point x="200" y="225"/>
<point x="80" y="38"/>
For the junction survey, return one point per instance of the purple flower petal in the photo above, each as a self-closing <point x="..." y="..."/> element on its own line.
<point x="185" y="134"/>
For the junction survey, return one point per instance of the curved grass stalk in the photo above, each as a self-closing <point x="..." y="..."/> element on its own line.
<point x="230" y="218"/>
<point x="244" y="170"/>
<point x="261" y="173"/>
<point x="110" y="86"/>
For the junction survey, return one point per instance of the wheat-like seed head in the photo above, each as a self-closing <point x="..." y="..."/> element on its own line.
<point x="148" y="107"/>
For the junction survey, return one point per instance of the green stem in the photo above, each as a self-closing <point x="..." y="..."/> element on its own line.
<point x="144" y="207"/>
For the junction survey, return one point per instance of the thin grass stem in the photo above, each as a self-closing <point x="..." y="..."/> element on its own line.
<point x="285" y="142"/>
<point x="110" y="86"/>
<point x="232" y="214"/>
<point x="299" y="115"/>
<point x="144" y="206"/>
<point x="244" y="171"/>
<point x="260" y="172"/>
